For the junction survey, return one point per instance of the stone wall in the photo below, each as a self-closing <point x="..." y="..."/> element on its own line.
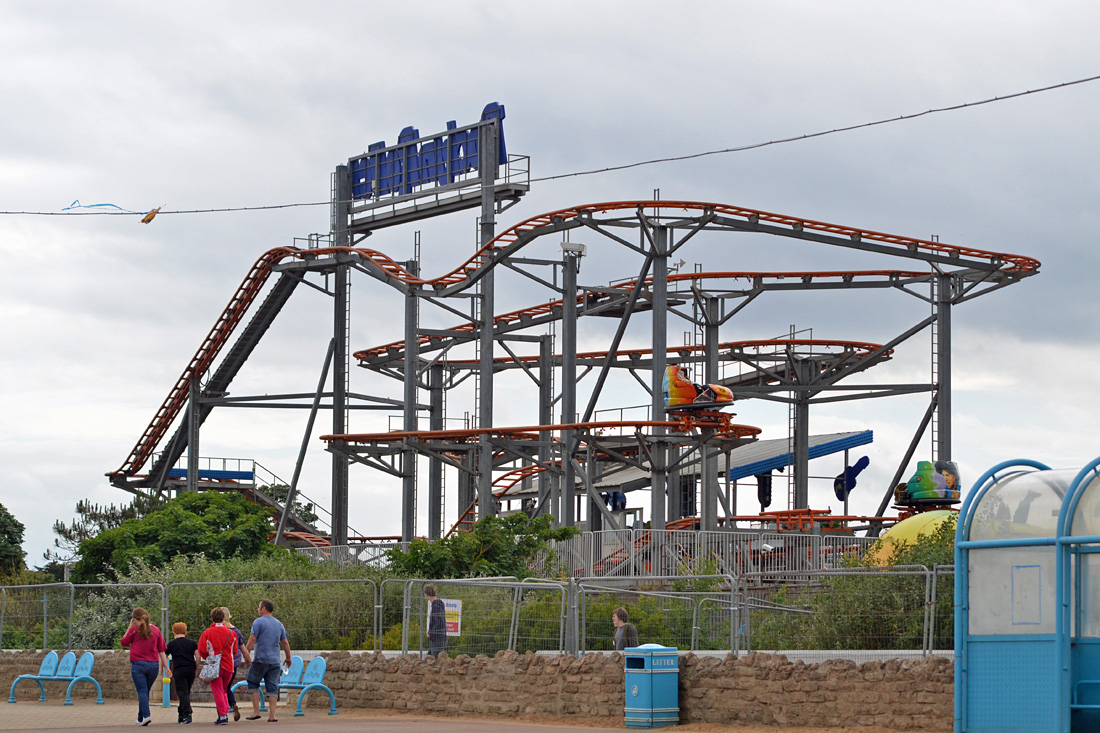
<point x="758" y="689"/>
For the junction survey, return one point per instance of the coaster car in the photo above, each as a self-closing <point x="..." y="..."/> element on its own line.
<point x="933" y="483"/>
<point x="681" y="392"/>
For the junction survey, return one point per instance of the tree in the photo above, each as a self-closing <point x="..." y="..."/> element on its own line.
<point x="304" y="512"/>
<point x="11" y="543"/>
<point x="495" y="546"/>
<point x="91" y="520"/>
<point x="216" y="524"/>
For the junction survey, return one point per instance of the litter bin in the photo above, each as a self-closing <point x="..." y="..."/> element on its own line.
<point x="652" y="686"/>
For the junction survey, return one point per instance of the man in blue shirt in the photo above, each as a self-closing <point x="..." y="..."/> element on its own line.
<point x="268" y="634"/>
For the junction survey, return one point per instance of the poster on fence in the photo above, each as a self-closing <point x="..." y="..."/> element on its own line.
<point x="453" y="608"/>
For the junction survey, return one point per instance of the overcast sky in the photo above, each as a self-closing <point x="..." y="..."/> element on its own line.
<point x="221" y="105"/>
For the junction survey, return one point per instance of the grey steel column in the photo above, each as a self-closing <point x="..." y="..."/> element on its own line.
<point x="340" y="213"/>
<point x="802" y="437"/>
<point x="659" y="285"/>
<point x="488" y="142"/>
<point x="292" y="492"/>
<point x="194" y="420"/>
<point x="410" y="422"/>
<point x="548" y="500"/>
<point x="708" y="475"/>
<point x="435" y="466"/>
<point x="945" y="290"/>
<point x="568" y="385"/>
<point x="674" y="503"/>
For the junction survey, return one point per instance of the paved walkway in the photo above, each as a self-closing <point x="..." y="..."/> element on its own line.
<point x="85" y="715"/>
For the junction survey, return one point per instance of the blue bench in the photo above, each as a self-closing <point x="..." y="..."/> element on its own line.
<point x="301" y="680"/>
<point x="67" y="670"/>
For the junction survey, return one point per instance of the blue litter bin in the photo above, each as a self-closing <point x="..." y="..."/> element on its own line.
<point x="652" y="686"/>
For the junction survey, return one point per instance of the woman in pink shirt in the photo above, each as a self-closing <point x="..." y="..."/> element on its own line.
<point x="219" y="639"/>
<point x="147" y="660"/>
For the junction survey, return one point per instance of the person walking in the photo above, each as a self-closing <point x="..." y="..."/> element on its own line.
<point x="268" y="634"/>
<point x="219" y="639"/>
<point x="147" y="660"/>
<point x="182" y="651"/>
<point x="437" y="622"/>
<point x="626" y="636"/>
<point x="240" y="659"/>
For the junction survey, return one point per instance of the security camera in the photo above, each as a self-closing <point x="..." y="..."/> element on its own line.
<point x="574" y="248"/>
<point x="766" y="547"/>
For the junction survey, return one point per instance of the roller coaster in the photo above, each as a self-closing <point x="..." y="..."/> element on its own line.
<point x="569" y="458"/>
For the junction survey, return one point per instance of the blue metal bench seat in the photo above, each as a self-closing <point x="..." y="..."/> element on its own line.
<point x="67" y="670"/>
<point x="302" y="681"/>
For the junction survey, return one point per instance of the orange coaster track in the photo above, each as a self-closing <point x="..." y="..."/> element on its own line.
<point x="211" y="346"/>
<point x="861" y="349"/>
<point x="708" y="420"/>
<point x="719" y="422"/>
<point x="510" y="241"/>
<point x="542" y="309"/>
<point x="517" y="235"/>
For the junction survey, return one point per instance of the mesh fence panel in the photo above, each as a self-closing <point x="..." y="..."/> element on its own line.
<point x="361" y="554"/>
<point x="660" y="553"/>
<point x="609" y="553"/>
<point x="540" y="618"/>
<point x="857" y="610"/>
<point x="36" y="616"/>
<point x="484" y="622"/>
<point x="660" y="618"/>
<point x="101" y="613"/>
<point x="941" y="621"/>
<point x="317" y="614"/>
<point x="667" y="611"/>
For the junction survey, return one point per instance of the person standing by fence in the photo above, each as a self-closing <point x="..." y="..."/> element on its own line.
<point x="626" y="636"/>
<point x="437" y="622"/>
<point x="147" y="660"/>
<point x="182" y="650"/>
<point x="268" y="634"/>
<point x="240" y="659"/>
<point x="219" y="639"/>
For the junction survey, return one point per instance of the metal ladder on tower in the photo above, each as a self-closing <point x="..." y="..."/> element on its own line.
<point x="935" y="362"/>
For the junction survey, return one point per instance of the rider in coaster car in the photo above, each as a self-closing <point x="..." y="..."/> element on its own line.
<point x="679" y="390"/>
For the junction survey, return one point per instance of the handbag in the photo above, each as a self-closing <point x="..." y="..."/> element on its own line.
<point x="212" y="667"/>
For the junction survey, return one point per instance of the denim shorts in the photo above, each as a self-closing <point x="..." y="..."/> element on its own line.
<point x="270" y="674"/>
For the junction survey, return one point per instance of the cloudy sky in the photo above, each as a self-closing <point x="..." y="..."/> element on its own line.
<point x="203" y="105"/>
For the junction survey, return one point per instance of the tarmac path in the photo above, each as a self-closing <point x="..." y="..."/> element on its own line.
<point x="85" y="716"/>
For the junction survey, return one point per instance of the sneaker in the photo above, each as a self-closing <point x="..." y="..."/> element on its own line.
<point x="140" y="721"/>
<point x="224" y="720"/>
<point x="147" y="721"/>
<point x="187" y="720"/>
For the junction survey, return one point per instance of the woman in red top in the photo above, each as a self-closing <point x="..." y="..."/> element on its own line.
<point x="147" y="660"/>
<point x="219" y="639"/>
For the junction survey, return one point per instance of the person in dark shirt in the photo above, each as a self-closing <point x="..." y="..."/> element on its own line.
<point x="626" y="636"/>
<point x="437" y="622"/>
<point x="182" y="650"/>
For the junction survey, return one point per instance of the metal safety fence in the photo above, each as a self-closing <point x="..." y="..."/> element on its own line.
<point x="654" y="553"/>
<point x="660" y="553"/>
<point x="856" y="613"/>
<point x="861" y="612"/>
<point x="684" y="611"/>
<point x="325" y="614"/>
